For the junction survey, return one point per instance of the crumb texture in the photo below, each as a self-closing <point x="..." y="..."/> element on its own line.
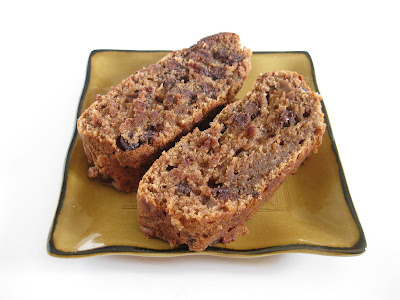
<point x="204" y="189"/>
<point x="125" y="130"/>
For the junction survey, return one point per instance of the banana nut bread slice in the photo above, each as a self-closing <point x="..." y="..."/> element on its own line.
<point x="124" y="131"/>
<point x="204" y="189"/>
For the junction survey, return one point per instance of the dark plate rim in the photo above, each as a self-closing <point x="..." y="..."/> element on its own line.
<point x="358" y="248"/>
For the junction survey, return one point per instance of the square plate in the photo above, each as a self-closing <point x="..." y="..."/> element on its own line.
<point x="311" y="212"/>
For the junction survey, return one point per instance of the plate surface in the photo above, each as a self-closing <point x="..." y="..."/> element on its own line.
<point x="311" y="212"/>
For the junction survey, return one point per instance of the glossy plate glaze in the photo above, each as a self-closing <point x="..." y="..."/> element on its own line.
<point x="312" y="211"/>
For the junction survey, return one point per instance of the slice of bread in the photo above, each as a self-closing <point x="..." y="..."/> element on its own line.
<point x="124" y="131"/>
<point x="204" y="189"/>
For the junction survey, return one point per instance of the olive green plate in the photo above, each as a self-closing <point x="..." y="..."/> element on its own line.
<point x="312" y="212"/>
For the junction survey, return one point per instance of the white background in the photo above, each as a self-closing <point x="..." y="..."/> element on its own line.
<point x="43" y="55"/>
